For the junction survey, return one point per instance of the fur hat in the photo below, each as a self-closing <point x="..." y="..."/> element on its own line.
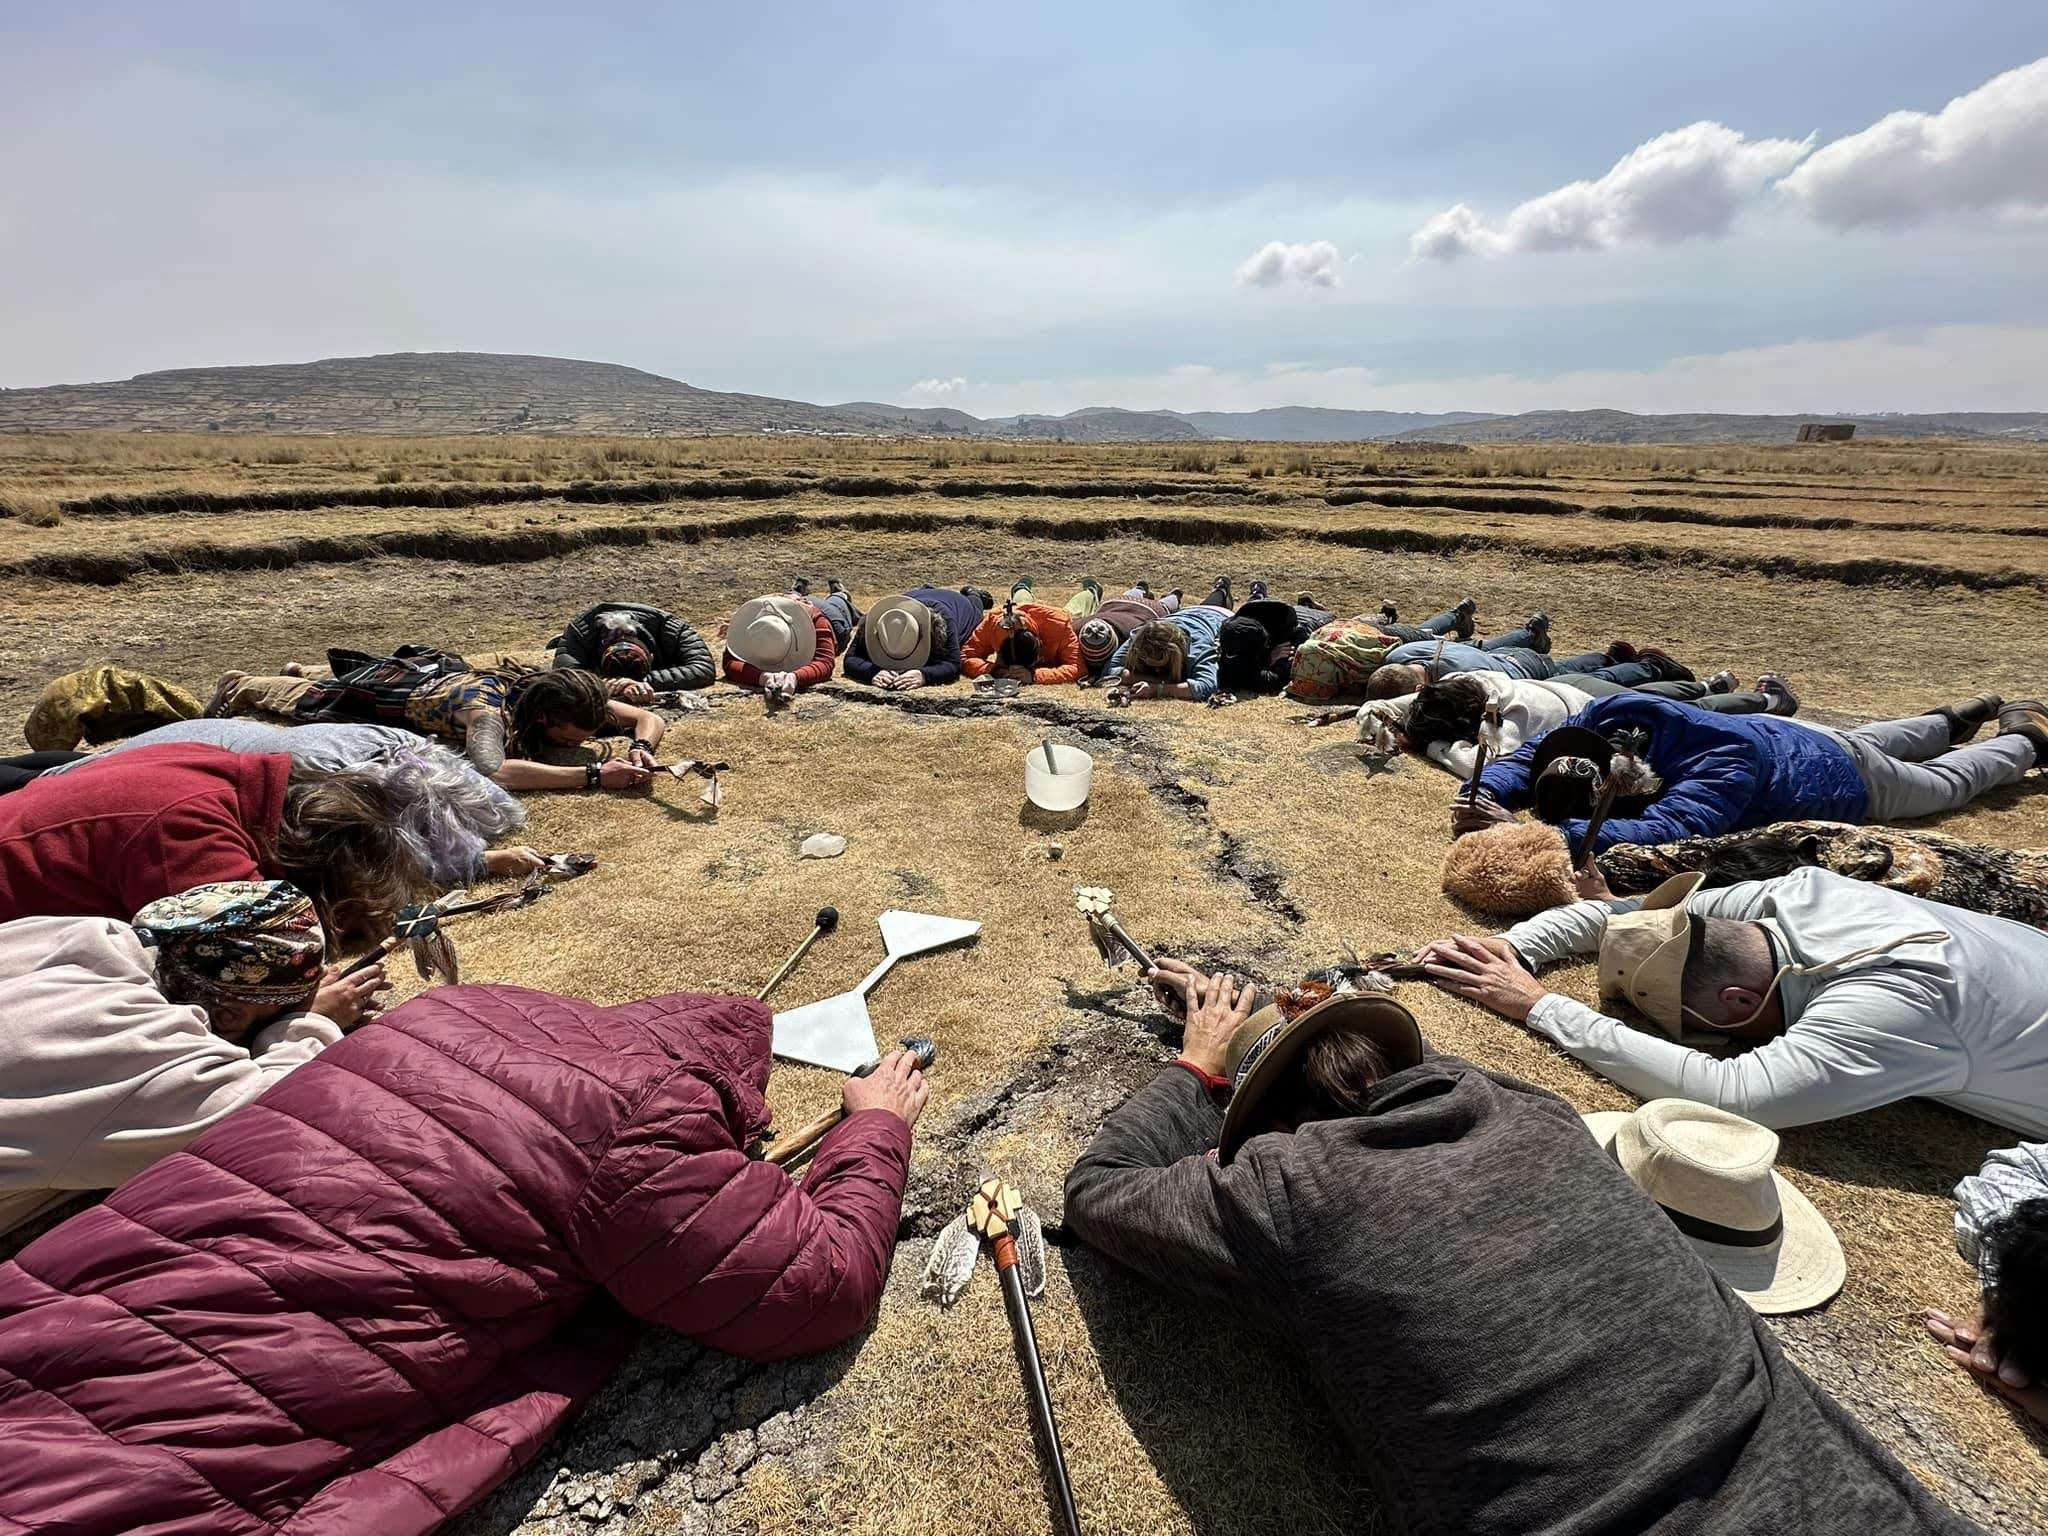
<point x="1515" y="870"/>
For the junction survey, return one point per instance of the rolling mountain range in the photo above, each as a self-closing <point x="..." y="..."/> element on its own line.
<point x="460" y="393"/>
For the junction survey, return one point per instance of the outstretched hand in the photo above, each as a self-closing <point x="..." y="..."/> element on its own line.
<point x="350" y="1000"/>
<point x="1469" y="815"/>
<point x="1973" y="1347"/>
<point x="1485" y="971"/>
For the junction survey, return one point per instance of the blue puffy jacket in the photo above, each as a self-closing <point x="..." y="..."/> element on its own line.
<point x="1721" y="773"/>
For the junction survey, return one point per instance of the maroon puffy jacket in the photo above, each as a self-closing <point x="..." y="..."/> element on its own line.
<point x="361" y="1302"/>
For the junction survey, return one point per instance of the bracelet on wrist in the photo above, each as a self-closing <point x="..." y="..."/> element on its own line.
<point x="593" y="776"/>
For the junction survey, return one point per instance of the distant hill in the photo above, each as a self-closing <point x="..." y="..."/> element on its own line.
<point x="1098" y="424"/>
<point x="413" y="392"/>
<point x="1626" y="427"/>
<point x="1320" y="424"/>
<point x="462" y="393"/>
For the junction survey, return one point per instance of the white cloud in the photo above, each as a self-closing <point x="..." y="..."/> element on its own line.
<point x="1985" y="149"/>
<point x="938" y="389"/>
<point x="1311" y="264"/>
<point x="1678" y="186"/>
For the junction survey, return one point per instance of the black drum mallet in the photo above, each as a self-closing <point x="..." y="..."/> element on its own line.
<point x="827" y="921"/>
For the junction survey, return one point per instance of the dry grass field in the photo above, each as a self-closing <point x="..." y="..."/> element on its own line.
<point x="1882" y="579"/>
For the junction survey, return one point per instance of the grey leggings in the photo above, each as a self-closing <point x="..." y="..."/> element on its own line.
<point x="1910" y="768"/>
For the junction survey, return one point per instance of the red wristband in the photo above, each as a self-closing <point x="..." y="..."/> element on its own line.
<point x="1209" y="1080"/>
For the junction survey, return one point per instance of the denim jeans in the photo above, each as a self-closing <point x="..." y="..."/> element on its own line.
<point x="1428" y="629"/>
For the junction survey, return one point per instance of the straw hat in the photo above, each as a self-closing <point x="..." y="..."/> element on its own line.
<point x="1643" y="954"/>
<point x="1267" y="1046"/>
<point x="1712" y="1173"/>
<point x="774" y="634"/>
<point x="899" y="634"/>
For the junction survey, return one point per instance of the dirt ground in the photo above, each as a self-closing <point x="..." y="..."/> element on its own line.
<point x="1234" y="834"/>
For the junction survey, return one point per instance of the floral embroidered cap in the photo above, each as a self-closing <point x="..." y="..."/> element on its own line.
<point x="236" y="941"/>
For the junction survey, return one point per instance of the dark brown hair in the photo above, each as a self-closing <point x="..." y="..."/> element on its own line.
<point x="339" y="842"/>
<point x="1446" y="711"/>
<point x="564" y="696"/>
<point x="2016" y="1298"/>
<point x="1019" y="649"/>
<point x="1332" y="1081"/>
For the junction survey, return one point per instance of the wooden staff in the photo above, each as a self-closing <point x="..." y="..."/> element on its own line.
<point x="1489" y="732"/>
<point x="800" y="1141"/>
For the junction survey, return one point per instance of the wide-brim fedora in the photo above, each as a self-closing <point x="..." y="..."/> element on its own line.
<point x="898" y="633"/>
<point x="773" y="634"/>
<point x="1268" y="1046"/>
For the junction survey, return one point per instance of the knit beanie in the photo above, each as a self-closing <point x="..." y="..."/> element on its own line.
<point x="1098" y="641"/>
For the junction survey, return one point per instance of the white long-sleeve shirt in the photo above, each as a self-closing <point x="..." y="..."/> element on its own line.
<point x="2009" y="1177"/>
<point x="1963" y="1020"/>
<point x="100" y="1074"/>
<point x="1527" y="710"/>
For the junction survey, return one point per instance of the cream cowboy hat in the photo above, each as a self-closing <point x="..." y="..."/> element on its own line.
<point x="899" y="634"/>
<point x="1643" y="954"/>
<point x="1713" y="1174"/>
<point x="1268" y="1045"/>
<point x="774" y="634"/>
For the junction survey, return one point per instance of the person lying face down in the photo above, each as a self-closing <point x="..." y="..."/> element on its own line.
<point x="1025" y="642"/>
<point x="1521" y="653"/>
<point x="1177" y="657"/>
<point x="1257" y="644"/>
<point x="638" y="649"/>
<point x="503" y="717"/>
<point x="455" y="1209"/>
<point x="1719" y="773"/>
<point x="108" y="840"/>
<point x="913" y="641"/>
<point x="1470" y="1327"/>
<point x="1850" y="994"/>
<point x="120" y="1043"/>
<point x="2002" y="1229"/>
<point x="781" y="645"/>
<point x="450" y="812"/>
<point x="1102" y="632"/>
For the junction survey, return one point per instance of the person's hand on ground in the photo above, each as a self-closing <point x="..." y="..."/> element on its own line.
<point x="1478" y="815"/>
<point x="897" y="1085"/>
<point x="1146" y="690"/>
<point x="628" y="690"/>
<point x="620" y="774"/>
<point x="1221" y="1003"/>
<point x="1591" y="884"/>
<point x="907" y="682"/>
<point x="1977" y="1351"/>
<point x="350" y="1000"/>
<point x="886" y="680"/>
<point x="1485" y="971"/>
<point x="1174" y="982"/>
<point x="505" y="863"/>
<point x="642" y="756"/>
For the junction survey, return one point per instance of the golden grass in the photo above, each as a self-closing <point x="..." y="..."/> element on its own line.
<point x="1174" y="1421"/>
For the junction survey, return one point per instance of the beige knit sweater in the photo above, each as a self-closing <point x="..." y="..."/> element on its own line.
<point x="100" y="1074"/>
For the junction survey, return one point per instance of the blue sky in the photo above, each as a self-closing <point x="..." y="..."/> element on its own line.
<point x="1480" y="206"/>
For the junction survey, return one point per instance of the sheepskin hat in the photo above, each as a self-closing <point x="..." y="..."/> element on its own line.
<point x="1514" y="870"/>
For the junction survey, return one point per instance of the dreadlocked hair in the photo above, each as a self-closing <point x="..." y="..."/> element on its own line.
<point x="564" y="696"/>
<point x="1158" y="649"/>
<point x="1446" y="711"/>
<point x="2014" y="1260"/>
<point x="339" y="841"/>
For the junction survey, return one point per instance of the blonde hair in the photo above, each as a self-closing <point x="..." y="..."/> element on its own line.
<point x="1158" y="649"/>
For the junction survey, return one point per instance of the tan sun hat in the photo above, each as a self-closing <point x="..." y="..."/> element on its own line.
<point x="899" y="633"/>
<point x="1642" y="954"/>
<point x="1267" y="1046"/>
<point x="1713" y="1174"/>
<point x="775" y="634"/>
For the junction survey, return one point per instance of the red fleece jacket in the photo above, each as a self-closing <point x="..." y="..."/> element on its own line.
<point x="819" y="668"/>
<point x="154" y="822"/>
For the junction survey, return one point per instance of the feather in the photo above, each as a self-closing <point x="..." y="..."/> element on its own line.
<point x="951" y="1265"/>
<point x="1030" y="1252"/>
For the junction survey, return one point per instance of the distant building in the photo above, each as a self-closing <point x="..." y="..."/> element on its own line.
<point x="1827" y="431"/>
